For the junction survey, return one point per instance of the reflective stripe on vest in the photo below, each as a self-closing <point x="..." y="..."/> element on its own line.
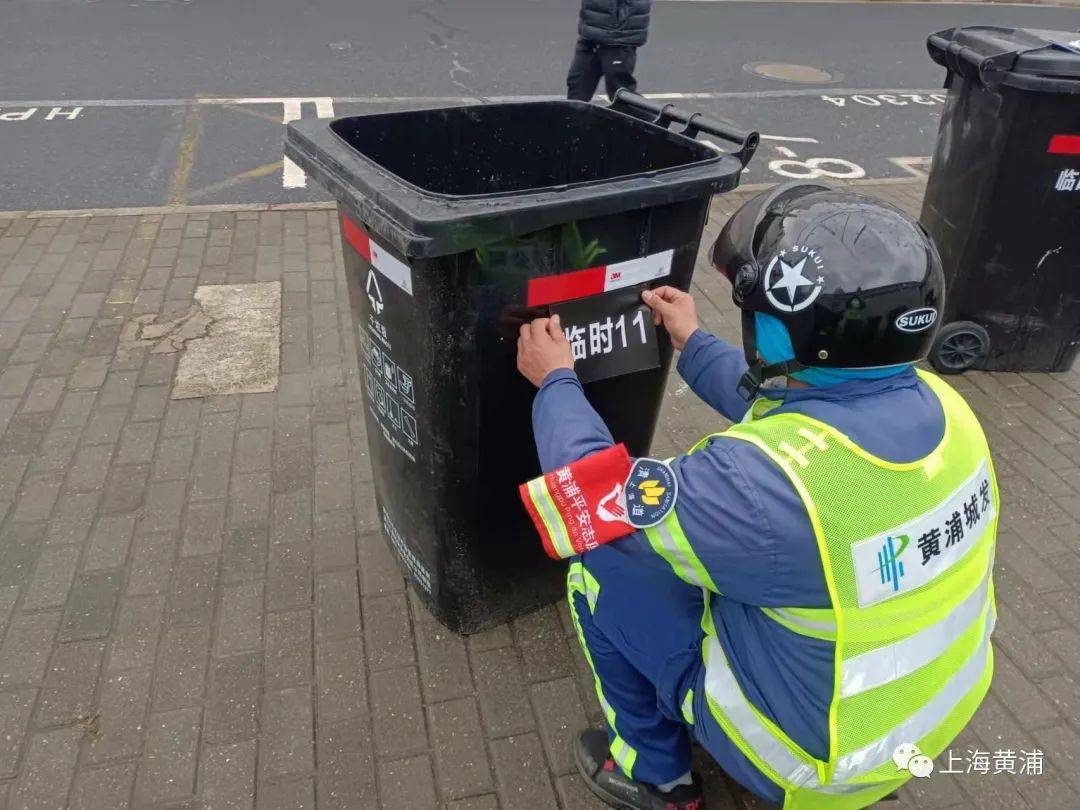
<point x="927" y="718"/>
<point x="889" y="663"/>
<point x="724" y="692"/>
<point x="886" y="664"/>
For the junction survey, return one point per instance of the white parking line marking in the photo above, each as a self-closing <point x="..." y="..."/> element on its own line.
<point x="292" y="176"/>
<point x="180" y="102"/>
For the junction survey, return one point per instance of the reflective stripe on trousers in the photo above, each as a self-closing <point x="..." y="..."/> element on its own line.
<point x="798" y="619"/>
<point x="579" y="580"/>
<point x="688" y="707"/>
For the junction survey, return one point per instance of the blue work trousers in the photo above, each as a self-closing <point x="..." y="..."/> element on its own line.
<point x="641" y="631"/>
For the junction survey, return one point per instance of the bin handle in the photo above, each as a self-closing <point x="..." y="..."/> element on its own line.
<point x="664" y="115"/>
<point x="991" y="70"/>
<point x="968" y="62"/>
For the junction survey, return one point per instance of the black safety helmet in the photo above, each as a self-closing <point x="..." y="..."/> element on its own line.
<point x="857" y="282"/>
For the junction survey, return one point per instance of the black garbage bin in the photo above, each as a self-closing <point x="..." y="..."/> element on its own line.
<point x="459" y="224"/>
<point x="1003" y="199"/>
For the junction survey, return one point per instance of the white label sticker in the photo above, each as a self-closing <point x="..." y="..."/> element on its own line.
<point x="395" y="270"/>
<point x="635" y="271"/>
<point x="903" y="559"/>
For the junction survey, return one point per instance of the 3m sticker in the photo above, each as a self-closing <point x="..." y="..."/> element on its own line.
<point x="596" y="280"/>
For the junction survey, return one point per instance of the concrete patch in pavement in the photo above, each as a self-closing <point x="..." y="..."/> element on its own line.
<point x="165" y="334"/>
<point x="240" y="353"/>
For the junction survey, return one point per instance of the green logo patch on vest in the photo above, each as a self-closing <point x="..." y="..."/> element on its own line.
<point x="899" y="561"/>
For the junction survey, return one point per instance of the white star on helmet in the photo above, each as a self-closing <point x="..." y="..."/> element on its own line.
<point x="792" y="278"/>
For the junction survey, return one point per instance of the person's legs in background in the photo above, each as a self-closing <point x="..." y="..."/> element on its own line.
<point x="585" y="72"/>
<point x="618" y="64"/>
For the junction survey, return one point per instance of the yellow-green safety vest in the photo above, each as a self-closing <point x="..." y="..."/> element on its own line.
<point x="907" y="550"/>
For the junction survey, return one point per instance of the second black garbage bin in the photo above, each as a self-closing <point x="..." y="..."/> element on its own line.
<point x="1003" y="199"/>
<point x="458" y="224"/>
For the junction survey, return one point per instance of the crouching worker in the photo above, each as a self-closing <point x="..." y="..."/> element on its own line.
<point x="810" y="590"/>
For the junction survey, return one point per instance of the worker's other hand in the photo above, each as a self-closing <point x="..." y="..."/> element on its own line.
<point x="543" y="348"/>
<point x="675" y="311"/>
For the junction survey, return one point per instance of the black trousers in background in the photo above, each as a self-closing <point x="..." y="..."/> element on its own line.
<point x="591" y="61"/>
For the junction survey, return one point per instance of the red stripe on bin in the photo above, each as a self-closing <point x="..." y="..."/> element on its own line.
<point x="1064" y="145"/>
<point x="564" y="287"/>
<point x="356" y="237"/>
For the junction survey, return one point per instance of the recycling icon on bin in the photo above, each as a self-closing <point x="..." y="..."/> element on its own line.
<point x="374" y="294"/>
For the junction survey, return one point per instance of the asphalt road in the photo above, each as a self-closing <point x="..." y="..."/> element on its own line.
<point x="183" y="102"/>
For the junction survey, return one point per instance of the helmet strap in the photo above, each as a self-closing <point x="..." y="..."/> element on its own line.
<point x="749" y="337"/>
<point x="758" y="373"/>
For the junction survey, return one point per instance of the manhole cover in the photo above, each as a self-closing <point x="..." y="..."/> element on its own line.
<point x="803" y="74"/>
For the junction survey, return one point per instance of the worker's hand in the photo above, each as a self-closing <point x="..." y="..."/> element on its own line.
<point x="542" y="348"/>
<point x="675" y="311"/>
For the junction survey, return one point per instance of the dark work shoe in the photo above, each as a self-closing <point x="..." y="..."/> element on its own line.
<point x="610" y="784"/>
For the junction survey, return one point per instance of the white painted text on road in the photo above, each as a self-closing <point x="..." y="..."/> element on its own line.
<point x="69" y="114"/>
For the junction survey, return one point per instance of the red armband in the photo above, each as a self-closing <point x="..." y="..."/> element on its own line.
<point x="580" y="506"/>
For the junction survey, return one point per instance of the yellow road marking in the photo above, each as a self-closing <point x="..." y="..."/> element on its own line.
<point x="236" y="179"/>
<point x="273" y="119"/>
<point x="190" y="135"/>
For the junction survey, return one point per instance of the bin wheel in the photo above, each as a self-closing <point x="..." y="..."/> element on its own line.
<point x="959" y="346"/>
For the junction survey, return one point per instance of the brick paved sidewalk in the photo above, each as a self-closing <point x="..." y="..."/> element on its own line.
<point x="198" y="610"/>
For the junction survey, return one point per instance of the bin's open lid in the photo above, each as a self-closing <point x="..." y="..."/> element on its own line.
<point x="1025" y="58"/>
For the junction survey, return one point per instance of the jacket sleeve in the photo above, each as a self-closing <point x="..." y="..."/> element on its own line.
<point x="743" y="532"/>
<point x="712" y="368"/>
<point x="743" y="523"/>
<point x="565" y="426"/>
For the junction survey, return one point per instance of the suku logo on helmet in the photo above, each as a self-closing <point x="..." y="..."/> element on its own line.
<point x="787" y="285"/>
<point x="917" y="320"/>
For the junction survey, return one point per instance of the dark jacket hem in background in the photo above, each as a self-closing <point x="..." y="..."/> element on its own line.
<point x="615" y="22"/>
